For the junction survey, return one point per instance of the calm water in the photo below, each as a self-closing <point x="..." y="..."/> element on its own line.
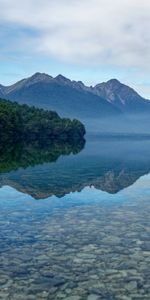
<point x="77" y="228"/>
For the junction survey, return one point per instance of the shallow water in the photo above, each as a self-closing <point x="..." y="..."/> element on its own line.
<point x="88" y="234"/>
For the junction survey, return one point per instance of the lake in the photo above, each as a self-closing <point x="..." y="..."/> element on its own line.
<point x="77" y="226"/>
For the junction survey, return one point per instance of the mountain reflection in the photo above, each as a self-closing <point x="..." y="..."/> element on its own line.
<point x="108" y="165"/>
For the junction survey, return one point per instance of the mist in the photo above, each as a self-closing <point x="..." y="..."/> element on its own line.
<point x="125" y="124"/>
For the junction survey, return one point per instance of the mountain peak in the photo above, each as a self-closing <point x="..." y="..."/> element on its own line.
<point x="40" y="77"/>
<point x="120" y="95"/>
<point x="26" y="82"/>
<point x="113" y="81"/>
<point x="62" y="79"/>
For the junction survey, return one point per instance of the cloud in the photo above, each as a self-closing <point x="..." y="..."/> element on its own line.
<point x="89" y="32"/>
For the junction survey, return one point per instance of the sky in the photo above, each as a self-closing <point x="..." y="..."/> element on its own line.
<point x="88" y="40"/>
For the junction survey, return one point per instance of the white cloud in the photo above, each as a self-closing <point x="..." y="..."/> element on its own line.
<point x="91" y="32"/>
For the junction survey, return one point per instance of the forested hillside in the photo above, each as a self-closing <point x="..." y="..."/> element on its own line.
<point x="29" y="123"/>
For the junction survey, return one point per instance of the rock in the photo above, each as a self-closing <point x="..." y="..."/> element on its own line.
<point x="130" y="286"/>
<point x="93" y="297"/>
<point x="73" y="298"/>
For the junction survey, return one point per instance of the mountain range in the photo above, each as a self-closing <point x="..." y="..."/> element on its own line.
<point x="74" y="99"/>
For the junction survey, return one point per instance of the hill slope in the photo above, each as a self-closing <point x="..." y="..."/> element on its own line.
<point x="25" y="123"/>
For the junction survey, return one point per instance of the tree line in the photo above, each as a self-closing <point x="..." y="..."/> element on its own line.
<point x="22" y="122"/>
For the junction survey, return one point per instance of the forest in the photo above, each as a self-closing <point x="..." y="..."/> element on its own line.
<point x="23" y="122"/>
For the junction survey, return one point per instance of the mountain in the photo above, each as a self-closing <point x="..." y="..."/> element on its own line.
<point x="2" y="90"/>
<point x="68" y="98"/>
<point x="121" y="96"/>
<point x="106" y="107"/>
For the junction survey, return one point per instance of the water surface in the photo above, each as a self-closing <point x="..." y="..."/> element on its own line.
<point x="78" y="228"/>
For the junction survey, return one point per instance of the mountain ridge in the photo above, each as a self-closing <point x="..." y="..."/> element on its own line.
<point x="37" y="77"/>
<point x="68" y="98"/>
<point x="74" y="98"/>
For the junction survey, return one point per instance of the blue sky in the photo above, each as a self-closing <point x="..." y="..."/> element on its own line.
<point x="92" y="40"/>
